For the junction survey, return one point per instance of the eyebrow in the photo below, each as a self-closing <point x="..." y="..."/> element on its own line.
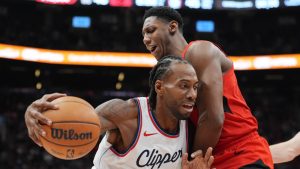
<point x="185" y="80"/>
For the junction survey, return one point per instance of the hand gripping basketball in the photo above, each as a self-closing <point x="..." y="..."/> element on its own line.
<point x="75" y="128"/>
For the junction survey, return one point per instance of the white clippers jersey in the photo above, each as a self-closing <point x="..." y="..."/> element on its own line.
<point x="152" y="148"/>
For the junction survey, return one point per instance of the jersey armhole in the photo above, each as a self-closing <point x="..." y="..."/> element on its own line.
<point x="137" y="135"/>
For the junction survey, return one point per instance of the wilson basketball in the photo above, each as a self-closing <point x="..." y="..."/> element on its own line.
<point x="75" y="128"/>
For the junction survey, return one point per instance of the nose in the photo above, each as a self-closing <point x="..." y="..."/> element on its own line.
<point x="192" y="94"/>
<point x="146" y="40"/>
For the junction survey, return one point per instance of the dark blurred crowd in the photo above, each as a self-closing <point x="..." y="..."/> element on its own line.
<point x="238" y="32"/>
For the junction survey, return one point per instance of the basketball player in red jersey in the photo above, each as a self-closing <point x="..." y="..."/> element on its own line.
<point x="223" y="119"/>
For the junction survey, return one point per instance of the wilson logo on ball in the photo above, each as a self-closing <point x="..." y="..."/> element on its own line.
<point x="75" y="128"/>
<point x="70" y="134"/>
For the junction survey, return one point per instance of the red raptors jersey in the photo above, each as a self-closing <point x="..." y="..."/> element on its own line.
<point x="239" y="127"/>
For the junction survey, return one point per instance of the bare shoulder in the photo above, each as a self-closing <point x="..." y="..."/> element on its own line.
<point x="117" y="110"/>
<point x="205" y="50"/>
<point x="202" y="53"/>
<point x="203" y="44"/>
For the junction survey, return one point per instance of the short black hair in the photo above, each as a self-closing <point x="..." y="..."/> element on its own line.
<point x="166" y="13"/>
<point x="158" y="72"/>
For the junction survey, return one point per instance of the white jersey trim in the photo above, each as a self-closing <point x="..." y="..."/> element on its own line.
<point x="157" y="126"/>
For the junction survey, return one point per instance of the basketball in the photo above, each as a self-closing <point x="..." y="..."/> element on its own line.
<point x="75" y="128"/>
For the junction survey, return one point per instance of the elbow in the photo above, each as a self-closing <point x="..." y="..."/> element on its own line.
<point x="215" y="121"/>
<point x="218" y="122"/>
<point x="220" y="119"/>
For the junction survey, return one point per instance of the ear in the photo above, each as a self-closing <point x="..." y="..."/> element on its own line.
<point x="159" y="89"/>
<point x="173" y="26"/>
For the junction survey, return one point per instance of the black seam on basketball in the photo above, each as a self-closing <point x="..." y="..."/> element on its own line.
<point x="96" y="139"/>
<point x="75" y="122"/>
<point x="63" y="101"/>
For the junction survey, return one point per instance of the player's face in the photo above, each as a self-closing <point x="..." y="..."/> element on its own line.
<point x="156" y="36"/>
<point x="180" y="90"/>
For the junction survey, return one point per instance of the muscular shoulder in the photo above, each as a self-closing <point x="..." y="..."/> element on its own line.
<point x="204" y="50"/>
<point x="203" y="53"/>
<point x="118" y="110"/>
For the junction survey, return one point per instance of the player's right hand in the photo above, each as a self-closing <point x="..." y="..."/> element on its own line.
<point x="34" y="116"/>
<point x="198" y="160"/>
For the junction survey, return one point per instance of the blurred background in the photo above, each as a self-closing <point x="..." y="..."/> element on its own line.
<point x="241" y="28"/>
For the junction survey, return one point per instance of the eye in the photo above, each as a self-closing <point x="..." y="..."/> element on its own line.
<point x="146" y="31"/>
<point x="183" y="85"/>
<point x="195" y="87"/>
<point x="150" y="30"/>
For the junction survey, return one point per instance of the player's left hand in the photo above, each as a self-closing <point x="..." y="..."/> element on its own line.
<point x="198" y="161"/>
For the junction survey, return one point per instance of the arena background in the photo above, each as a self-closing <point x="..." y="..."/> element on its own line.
<point x="239" y="29"/>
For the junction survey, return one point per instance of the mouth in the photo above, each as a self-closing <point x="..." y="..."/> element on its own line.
<point x="152" y="49"/>
<point x="188" y="106"/>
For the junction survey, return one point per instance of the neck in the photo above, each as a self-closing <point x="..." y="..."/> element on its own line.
<point x="177" y="45"/>
<point x="166" y="119"/>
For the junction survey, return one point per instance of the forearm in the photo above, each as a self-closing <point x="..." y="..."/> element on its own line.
<point x="210" y="124"/>
<point x="207" y="134"/>
<point x="282" y="152"/>
<point x="286" y="151"/>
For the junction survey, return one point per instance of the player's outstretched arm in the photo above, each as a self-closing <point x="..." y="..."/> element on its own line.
<point x="33" y="115"/>
<point x="286" y="151"/>
<point x="198" y="160"/>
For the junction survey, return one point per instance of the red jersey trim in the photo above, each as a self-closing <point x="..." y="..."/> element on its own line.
<point x="157" y="126"/>
<point x="185" y="49"/>
<point x="225" y="74"/>
<point x="134" y="143"/>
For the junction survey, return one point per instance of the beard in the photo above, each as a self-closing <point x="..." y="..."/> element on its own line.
<point x="176" y="110"/>
<point x="180" y="116"/>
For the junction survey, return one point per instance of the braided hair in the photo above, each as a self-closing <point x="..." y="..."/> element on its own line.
<point x="158" y="72"/>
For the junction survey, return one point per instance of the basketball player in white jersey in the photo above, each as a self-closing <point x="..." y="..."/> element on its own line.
<point x="147" y="133"/>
